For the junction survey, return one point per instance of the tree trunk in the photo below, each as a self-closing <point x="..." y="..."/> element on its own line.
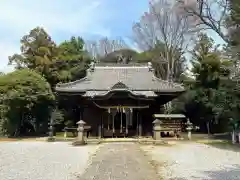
<point x="19" y="125"/>
<point x="17" y="130"/>
<point x="208" y="127"/>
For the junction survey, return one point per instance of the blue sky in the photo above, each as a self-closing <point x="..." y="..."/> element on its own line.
<point x="62" y="19"/>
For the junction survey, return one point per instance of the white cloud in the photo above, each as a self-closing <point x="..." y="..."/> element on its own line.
<point x="68" y="17"/>
<point x="54" y="16"/>
<point x="6" y="49"/>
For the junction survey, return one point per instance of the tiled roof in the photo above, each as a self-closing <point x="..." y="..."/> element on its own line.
<point x="134" y="78"/>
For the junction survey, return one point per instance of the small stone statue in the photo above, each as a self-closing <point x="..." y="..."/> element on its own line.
<point x="120" y="59"/>
<point x="150" y="66"/>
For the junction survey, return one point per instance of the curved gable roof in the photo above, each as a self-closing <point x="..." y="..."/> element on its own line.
<point x="134" y="78"/>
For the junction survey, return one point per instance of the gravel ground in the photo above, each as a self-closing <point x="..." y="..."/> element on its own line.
<point x="120" y="161"/>
<point x="42" y="160"/>
<point x="192" y="161"/>
<point x="116" y="161"/>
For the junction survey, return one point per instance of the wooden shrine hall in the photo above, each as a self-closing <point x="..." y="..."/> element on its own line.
<point x="119" y="100"/>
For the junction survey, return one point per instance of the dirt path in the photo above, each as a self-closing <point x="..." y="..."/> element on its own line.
<point x="118" y="161"/>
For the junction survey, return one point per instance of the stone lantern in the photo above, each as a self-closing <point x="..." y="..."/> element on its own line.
<point x="51" y="130"/>
<point x="157" y="129"/>
<point x="80" y="138"/>
<point x="189" y="129"/>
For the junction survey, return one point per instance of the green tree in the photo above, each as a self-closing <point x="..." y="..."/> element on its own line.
<point x="71" y="62"/>
<point x="233" y="29"/>
<point x="38" y="51"/>
<point x="209" y="68"/>
<point x="63" y="63"/>
<point x="205" y="100"/>
<point x="26" y="100"/>
<point x="233" y="22"/>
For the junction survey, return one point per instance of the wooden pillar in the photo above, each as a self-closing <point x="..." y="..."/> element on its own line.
<point x="127" y="113"/>
<point x="139" y="125"/>
<point x="121" y="126"/>
<point x="80" y="113"/>
<point x="100" y="128"/>
<point x="113" y="126"/>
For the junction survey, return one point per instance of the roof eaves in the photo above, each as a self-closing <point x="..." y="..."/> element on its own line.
<point x="63" y="85"/>
<point x="66" y="89"/>
<point x="87" y="77"/>
<point x="176" y="85"/>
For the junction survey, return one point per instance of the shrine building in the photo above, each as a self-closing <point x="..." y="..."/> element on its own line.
<point x="119" y="100"/>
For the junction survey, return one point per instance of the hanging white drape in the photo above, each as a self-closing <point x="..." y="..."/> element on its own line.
<point x="114" y="112"/>
<point x="127" y="119"/>
<point x="109" y="113"/>
<point x="131" y="117"/>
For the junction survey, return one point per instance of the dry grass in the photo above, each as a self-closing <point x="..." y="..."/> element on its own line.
<point x="5" y="139"/>
<point x="221" y="144"/>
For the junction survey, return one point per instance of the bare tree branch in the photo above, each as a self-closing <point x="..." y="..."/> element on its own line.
<point x="104" y="46"/>
<point x="164" y="25"/>
<point x="210" y="14"/>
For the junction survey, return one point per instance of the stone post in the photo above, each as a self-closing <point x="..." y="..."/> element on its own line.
<point x="189" y="129"/>
<point x="80" y="138"/>
<point x="157" y="129"/>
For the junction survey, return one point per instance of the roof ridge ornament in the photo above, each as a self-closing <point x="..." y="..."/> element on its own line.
<point x="150" y="68"/>
<point x="92" y="66"/>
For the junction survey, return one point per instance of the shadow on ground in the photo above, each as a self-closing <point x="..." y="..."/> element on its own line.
<point x="220" y="141"/>
<point x="225" y="145"/>
<point x="232" y="173"/>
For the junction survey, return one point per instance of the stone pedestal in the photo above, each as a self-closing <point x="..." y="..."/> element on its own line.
<point x="80" y="138"/>
<point x="157" y="129"/>
<point x="51" y="137"/>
